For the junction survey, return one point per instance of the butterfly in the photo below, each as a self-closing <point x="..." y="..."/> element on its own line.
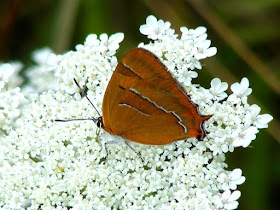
<point x="143" y="103"/>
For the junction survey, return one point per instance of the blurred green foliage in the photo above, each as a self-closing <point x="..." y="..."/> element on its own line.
<point x="246" y="33"/>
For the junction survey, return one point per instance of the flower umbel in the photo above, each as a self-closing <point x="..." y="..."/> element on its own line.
<point x="46" y="164"/>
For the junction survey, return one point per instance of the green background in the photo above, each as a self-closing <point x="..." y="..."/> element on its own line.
<point x="246" y="33"/>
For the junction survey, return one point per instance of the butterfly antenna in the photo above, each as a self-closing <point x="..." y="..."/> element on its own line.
<point x="75" y="120"/>
<point x="86" y="96"/>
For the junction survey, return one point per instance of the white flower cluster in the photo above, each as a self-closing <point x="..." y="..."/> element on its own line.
<point x="41" y="76"/>
<point x="10" y="96"/>
<point x="92" y="65"/>
<point x="46" y="164"/>
<point x="9" y="75"/>
<point x="182" y="55"/>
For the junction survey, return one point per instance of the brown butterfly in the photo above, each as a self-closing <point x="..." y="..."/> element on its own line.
<point x="143" y="103"/>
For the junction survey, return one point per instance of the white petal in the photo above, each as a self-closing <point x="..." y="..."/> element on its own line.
<point x="215" y="84"/>
<point x="238" y="143"/>
<point x="265" y="118"/>
<point x="151" y="20"/>
<point x="232" y="205"/>
<point x="201" y="38"/>
<point x="206" y="44"/>
<point x="252" y="130"/>
<point x="247" y="142"/>
<point x="261" y="125"/>
<point x="91" y="39"/>
<point x="193" y="74"/>
<point x="40" y="56"/>
<point x="244" y="82"/>
<point x="144" y="29"/>
<point x="198" y="65"/>
<point x="103" y="37"/>
<point x="233" y="98"/>
<point x="113" y="46"/>
<point x="184" y="29"/>
<point x="235" y="195"/>
<point x="240" y="181"/>
<point x="118" y="37"/>
<point x="236" y="173"/>
<point x="202" y="46"/>
<point x="200" y="30"/>
<point x="255" y="109"/>
<point x="211" y="51"/>
<point x="51" y="60"/>
<point x="247" y="92"/>
<point x="167" y="25"/>
<point x="160" y="25"/>
<point x="235" y="87"/>
<point x="222" y="96"/>
<point x="226" y="195"/>
<point x="224" y="86"/>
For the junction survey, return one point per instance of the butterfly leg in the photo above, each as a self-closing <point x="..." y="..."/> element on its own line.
<point x="126" y="142"/>
<point x="116" y="142"/>
<point x="106" y="149"/>
<point x="97" y="134"/>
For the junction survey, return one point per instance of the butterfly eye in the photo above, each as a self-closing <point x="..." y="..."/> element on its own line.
<point x="99" y="122"/>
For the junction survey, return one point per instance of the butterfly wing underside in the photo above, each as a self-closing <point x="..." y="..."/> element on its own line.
<point x="144" y="104"/>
